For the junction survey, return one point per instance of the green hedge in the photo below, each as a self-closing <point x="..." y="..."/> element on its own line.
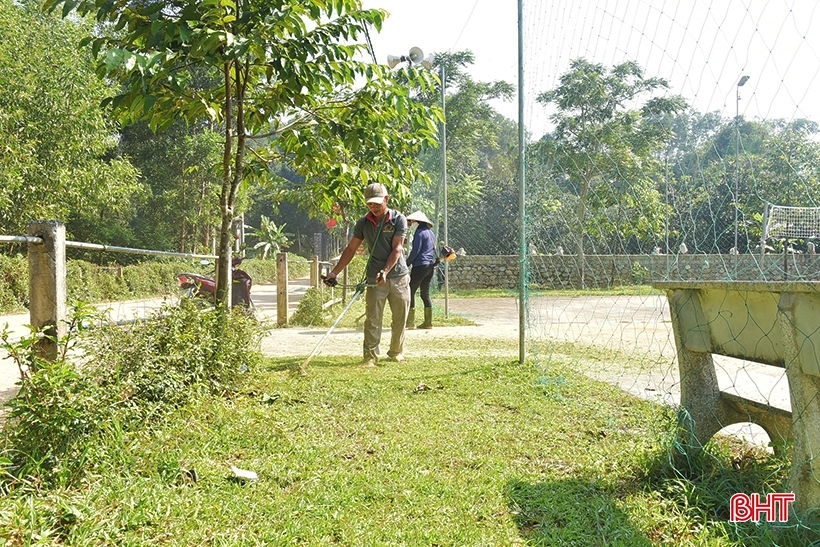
<point x="263" y="272"/>
<point x="13" y="283"/>
<point x="309" y="313"/>
<point x="90" y="282"/>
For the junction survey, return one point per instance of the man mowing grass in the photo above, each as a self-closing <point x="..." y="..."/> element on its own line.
<point x="383" y="230"/>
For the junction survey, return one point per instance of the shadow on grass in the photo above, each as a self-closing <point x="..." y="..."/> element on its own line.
<point x="570" y="512"/>
<point x="701" y="487"/>
<point x="294" y="364"/>
<point x="696" y="497"/>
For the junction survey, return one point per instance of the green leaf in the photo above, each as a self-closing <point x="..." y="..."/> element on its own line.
<point x="68" y="6"/>
<point x="184" y="32"/>
<point x="150" y="101"/>
<point x="113" y="57"/>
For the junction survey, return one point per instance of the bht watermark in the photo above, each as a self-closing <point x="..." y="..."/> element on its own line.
<point x="743" y="508"/>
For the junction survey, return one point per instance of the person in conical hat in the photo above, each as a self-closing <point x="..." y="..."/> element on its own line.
<point x="422" y="260"/>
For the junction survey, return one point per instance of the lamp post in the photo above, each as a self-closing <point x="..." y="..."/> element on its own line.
<point x="740" y="83"/>
<point x="416" y="57"/>
<point x="444" y="192"/>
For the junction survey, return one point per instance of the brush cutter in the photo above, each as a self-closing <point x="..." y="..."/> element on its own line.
<point x="303" y="368"/>
<point x="334" y="283"/>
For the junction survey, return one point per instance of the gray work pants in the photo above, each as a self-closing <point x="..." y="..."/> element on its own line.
<point x="396" y="292"/>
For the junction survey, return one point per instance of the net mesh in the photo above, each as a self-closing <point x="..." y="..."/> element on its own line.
<point x="652" y="161"/>
<point x="791" y="222"/>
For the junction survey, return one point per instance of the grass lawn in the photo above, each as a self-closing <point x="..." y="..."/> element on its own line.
<point x="447" y="451"/>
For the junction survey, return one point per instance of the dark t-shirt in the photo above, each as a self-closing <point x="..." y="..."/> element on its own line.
<point x="395" y="224"/>
<point x="423" y="252"/>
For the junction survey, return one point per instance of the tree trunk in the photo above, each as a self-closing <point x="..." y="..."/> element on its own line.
<point x="223" y="263"/>
<point x="232" y="178"/>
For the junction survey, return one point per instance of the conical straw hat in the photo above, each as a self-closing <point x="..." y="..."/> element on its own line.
<point x="418" y="216"/>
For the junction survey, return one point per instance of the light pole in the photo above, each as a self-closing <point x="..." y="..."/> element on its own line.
<point x="742" y="81"/>
<point x="416" y="57"/>
<point x="444" y="191"/>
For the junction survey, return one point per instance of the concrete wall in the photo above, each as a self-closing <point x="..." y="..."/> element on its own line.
<point x="557" y="272"/>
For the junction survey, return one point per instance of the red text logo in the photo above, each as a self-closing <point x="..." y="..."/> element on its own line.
<point x="743" y="508"/>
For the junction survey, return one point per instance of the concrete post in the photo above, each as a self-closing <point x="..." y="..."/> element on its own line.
<point x="700" y="396"/>
<point x="314" y="272"/>
<point x="804" y="392"/>
<point x="47" y="272"/>
<point x="282" y="289"/>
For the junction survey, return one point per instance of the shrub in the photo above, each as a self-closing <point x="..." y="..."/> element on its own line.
<point x="55" y="414"/>
<point x="157" y="361"/>
<point x="264" y="271"/>
<point x="91" y="283"/>
<point x="14" y="283"/>
<point x="152" y="278"/>
<point x="309" y="313"/>
<point x="128" y="375"/>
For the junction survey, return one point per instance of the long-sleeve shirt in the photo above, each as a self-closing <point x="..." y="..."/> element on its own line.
<point x="423" y="251"/>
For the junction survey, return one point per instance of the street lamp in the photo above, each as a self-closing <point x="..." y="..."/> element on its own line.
<point x="416" y="57"/>
<point x="740" y="84"/>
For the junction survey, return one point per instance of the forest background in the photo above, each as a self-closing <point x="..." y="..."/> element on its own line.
<point x="625" y="168"/>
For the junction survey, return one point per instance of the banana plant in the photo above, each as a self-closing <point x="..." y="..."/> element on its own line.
<point x="272" y="238"/>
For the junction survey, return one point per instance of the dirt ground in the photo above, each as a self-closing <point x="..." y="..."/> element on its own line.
<point x="495" y="318"/>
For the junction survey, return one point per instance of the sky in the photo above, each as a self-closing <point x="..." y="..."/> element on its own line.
<point x="488" y="28"/>
<point x="701" y="47"/>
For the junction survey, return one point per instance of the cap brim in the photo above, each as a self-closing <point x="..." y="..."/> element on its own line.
<point x="377" y="199"/>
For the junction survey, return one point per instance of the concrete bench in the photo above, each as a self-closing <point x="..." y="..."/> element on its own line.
<point x="774" y="323"/>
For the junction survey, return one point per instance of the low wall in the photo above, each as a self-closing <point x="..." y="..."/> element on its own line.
<point x="564" y="272"/>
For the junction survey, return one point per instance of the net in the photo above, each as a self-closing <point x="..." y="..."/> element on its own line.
<point x="785" y="222"/>
<point x="658" y="135"/>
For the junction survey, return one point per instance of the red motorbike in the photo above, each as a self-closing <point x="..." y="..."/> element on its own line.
<point x="193" y="285"/>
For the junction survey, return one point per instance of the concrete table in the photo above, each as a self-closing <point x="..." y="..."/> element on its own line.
<point x="775" y="323"/>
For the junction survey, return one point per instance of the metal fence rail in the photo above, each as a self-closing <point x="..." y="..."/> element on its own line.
<point x="128" y="250"/>
<point x="47" y="272"/>
<point x="21" y="239"/>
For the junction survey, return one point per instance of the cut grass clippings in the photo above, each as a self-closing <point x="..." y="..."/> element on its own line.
<point x="465" y="451"/>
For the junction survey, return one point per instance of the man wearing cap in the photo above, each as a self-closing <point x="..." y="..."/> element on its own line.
<point x="383" y="230"/>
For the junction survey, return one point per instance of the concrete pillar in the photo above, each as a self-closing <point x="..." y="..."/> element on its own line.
<point x="804" y="391"/>
<point x="314" y="272"/>
<point x="701" y="415"/>
<point x="47" y="272"/>
<point x="282" y="289"/>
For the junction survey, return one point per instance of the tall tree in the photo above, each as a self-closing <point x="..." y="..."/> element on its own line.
<point x="288" y="81"/>
<point x="57" y="151"/>
<point x="182" y="211"/>
<point x="480" y="159"/>
<point x="604" y="147"/>
<point x="775" y="161"/>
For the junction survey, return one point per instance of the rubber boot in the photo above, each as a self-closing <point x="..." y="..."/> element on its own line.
<point x="411" y="318"/>
<point x="428" y="319"/>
